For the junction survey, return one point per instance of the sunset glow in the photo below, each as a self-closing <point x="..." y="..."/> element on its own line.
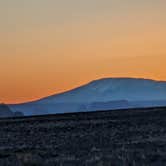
<point x="47" y="47"/>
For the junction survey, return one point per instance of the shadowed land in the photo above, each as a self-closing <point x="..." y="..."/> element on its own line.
<point x="103" y="138"/>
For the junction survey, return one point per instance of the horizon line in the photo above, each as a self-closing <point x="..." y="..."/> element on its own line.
<point x="84" y="84"/>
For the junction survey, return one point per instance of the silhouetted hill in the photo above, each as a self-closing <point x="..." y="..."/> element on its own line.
<point x="6" y="112"/>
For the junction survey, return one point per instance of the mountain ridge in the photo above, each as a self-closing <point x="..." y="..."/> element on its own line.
<point x="100" y="94"/>
<point x="106" y="84"/>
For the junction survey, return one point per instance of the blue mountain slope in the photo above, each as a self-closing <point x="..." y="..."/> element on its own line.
<point x="103" y="94"/>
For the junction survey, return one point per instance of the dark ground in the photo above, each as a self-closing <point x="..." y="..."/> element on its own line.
<point x="110" y="138"/>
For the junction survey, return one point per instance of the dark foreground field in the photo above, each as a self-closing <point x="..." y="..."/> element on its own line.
<point x="113" y="138"/>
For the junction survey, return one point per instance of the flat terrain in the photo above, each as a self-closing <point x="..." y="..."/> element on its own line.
<point x="135" y="137"/>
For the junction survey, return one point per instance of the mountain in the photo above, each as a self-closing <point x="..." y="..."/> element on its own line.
<point x="102" y="94"/>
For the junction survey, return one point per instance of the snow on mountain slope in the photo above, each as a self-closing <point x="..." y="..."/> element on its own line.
<point x="108" y="93"/>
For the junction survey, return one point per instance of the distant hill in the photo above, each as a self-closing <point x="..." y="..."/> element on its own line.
<point x="103" y="94"/>
<point x="5" y="111"/>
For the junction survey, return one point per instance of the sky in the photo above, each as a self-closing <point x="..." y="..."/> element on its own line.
<point x="50" y="46"/>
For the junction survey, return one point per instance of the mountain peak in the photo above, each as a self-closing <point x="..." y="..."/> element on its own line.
<point x="105" y="93"/>
<point x="111" y="89"/>
<point x="123" y="79"/>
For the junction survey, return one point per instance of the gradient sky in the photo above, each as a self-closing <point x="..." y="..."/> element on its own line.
<point x="49" y="46"/>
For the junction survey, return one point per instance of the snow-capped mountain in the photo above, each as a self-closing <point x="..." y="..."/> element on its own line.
<point x="103" y="94"/>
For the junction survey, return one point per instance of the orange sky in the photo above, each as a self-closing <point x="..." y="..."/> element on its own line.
<point x="51" y="46"/>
